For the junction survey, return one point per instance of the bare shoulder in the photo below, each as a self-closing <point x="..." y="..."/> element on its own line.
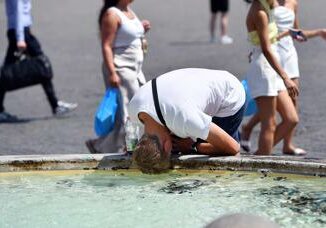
<point x="257" y="17"/>
<point x="261" y="15"/>
<point x="110" y="17"/>
<point x="295" y="4"/>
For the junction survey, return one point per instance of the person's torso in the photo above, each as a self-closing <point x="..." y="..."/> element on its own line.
<point x="284" y="18"/>
<point x="272" y="27"/>
<point x="18" y="12"/>
<point x="186" y="92"/>
<point x="129" y="32"/>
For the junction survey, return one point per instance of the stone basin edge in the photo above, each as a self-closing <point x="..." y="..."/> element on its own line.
<point x="277" y="164"/>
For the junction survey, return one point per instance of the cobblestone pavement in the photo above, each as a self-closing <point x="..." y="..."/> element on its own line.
<point x="179" y="38"/>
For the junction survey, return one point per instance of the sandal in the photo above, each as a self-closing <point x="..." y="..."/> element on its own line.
<point x="296" y="152"/>
<point x="245" y="145"/>
<point x="90" y="146"/>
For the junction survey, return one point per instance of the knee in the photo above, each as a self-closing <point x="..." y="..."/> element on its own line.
<point x="292" y="121"/>
<point x="272" y="125"/>
<point x="269" y="124"/>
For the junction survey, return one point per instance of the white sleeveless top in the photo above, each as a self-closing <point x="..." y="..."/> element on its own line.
<point x="129" y="32"/>
<point x="284" y="18"/>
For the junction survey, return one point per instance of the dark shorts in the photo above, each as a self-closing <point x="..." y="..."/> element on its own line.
<point x="230" y="124"/>
<point x="219" y="6"/>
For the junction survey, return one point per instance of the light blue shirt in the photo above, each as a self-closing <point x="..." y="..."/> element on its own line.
<point x="19" y="16"/>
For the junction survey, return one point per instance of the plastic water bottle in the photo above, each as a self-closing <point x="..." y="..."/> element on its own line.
<point x="131" y="135"/>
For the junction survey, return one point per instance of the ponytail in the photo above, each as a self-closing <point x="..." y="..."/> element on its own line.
<point x="107" y="4"/>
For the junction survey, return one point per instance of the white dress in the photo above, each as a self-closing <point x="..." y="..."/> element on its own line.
<point x="128" y="60"/>
<point x="261" y="77"/>
<point x="284" y="18"/>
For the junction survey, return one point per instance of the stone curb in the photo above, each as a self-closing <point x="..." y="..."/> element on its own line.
<point x="283" y="164"/>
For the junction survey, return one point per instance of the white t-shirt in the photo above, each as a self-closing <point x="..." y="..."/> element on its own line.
<point x="189" y="98"/>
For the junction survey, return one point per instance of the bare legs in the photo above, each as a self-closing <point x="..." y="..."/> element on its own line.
<point x="290" y="119"/>
<point x="283" y="131"/>
<point x="212" y="26"/>
<point x="266" y="113"/>
<point x="223" y="28"/>
<point x="288" y="146"/>
<point x="224" y="23"/>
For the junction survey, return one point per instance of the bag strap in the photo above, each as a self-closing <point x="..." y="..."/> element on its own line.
<point x="157" y="103"/>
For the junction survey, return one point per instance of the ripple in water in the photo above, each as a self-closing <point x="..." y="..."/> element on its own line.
<point x="298" y="201"/>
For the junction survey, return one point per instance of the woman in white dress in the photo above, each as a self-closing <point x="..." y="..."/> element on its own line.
<point x="269" y="84"/>
<point x="121" y="38"/>
<point x="285" y="16"/>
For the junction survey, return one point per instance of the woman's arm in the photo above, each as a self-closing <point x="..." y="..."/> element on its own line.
<point x="283" y="34"/>
<point x="261" y="24"/>
<point x="315" y="33"/>
<point x="109" y="27"/>
<point x="147" y="25"/>
<point x="296" y="18"/>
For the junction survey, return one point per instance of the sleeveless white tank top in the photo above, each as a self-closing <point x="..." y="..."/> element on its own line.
<point x="284" y="18"/>
<point x="129" y="32"/>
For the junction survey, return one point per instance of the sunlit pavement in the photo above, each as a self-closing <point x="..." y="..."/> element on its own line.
<point x="179" y="38"/>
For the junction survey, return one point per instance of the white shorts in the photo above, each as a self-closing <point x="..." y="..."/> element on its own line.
<point x="261" y="77"/>
<point x="288" y="57"/>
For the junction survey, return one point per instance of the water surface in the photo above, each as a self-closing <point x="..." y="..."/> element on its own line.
<point x="176" y="199"/>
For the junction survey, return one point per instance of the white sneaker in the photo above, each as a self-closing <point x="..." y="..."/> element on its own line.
<point x="64" y="108"/>
<point x="226" y="39"/>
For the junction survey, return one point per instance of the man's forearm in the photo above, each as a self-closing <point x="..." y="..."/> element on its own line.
<point x="209" y="149"/>
<point x="221" y="142"/>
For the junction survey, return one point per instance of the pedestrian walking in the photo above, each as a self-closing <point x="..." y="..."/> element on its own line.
<point x="121" y="38"/>
<point x="22" y="41"/>
<point x="222" y="7"/>
<point x="269" y="83"/>
<point x="286" y="18"/>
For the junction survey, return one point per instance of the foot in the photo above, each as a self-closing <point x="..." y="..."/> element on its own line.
<point x="226" y="39"/>
<point x="64" y="108"/>
<point x="295" y="151"/>
<point x="213" y="39"/>
<point x="245" y="145"/>
<point x="90" y="146"/>
<point x="245" y="139"/>
<point x="6" y="117"/>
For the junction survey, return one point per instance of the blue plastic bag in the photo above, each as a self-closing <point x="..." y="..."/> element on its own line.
<point x="106" y="112"/>
<point x="251" y="103"/>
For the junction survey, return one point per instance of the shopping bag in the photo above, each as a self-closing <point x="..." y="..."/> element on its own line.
<point x="251" y="103"/>
<point x="106" y="112"/>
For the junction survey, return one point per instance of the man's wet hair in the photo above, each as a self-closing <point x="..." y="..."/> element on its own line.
<point x="149" y="155"/>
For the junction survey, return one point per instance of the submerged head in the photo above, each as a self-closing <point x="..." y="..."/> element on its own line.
<point x="149" y="155"/>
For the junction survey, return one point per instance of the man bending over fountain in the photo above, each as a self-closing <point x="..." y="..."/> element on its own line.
<point x="187" y="109"/>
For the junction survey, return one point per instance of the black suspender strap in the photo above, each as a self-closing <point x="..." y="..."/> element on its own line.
<point x="156" y="103"/>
